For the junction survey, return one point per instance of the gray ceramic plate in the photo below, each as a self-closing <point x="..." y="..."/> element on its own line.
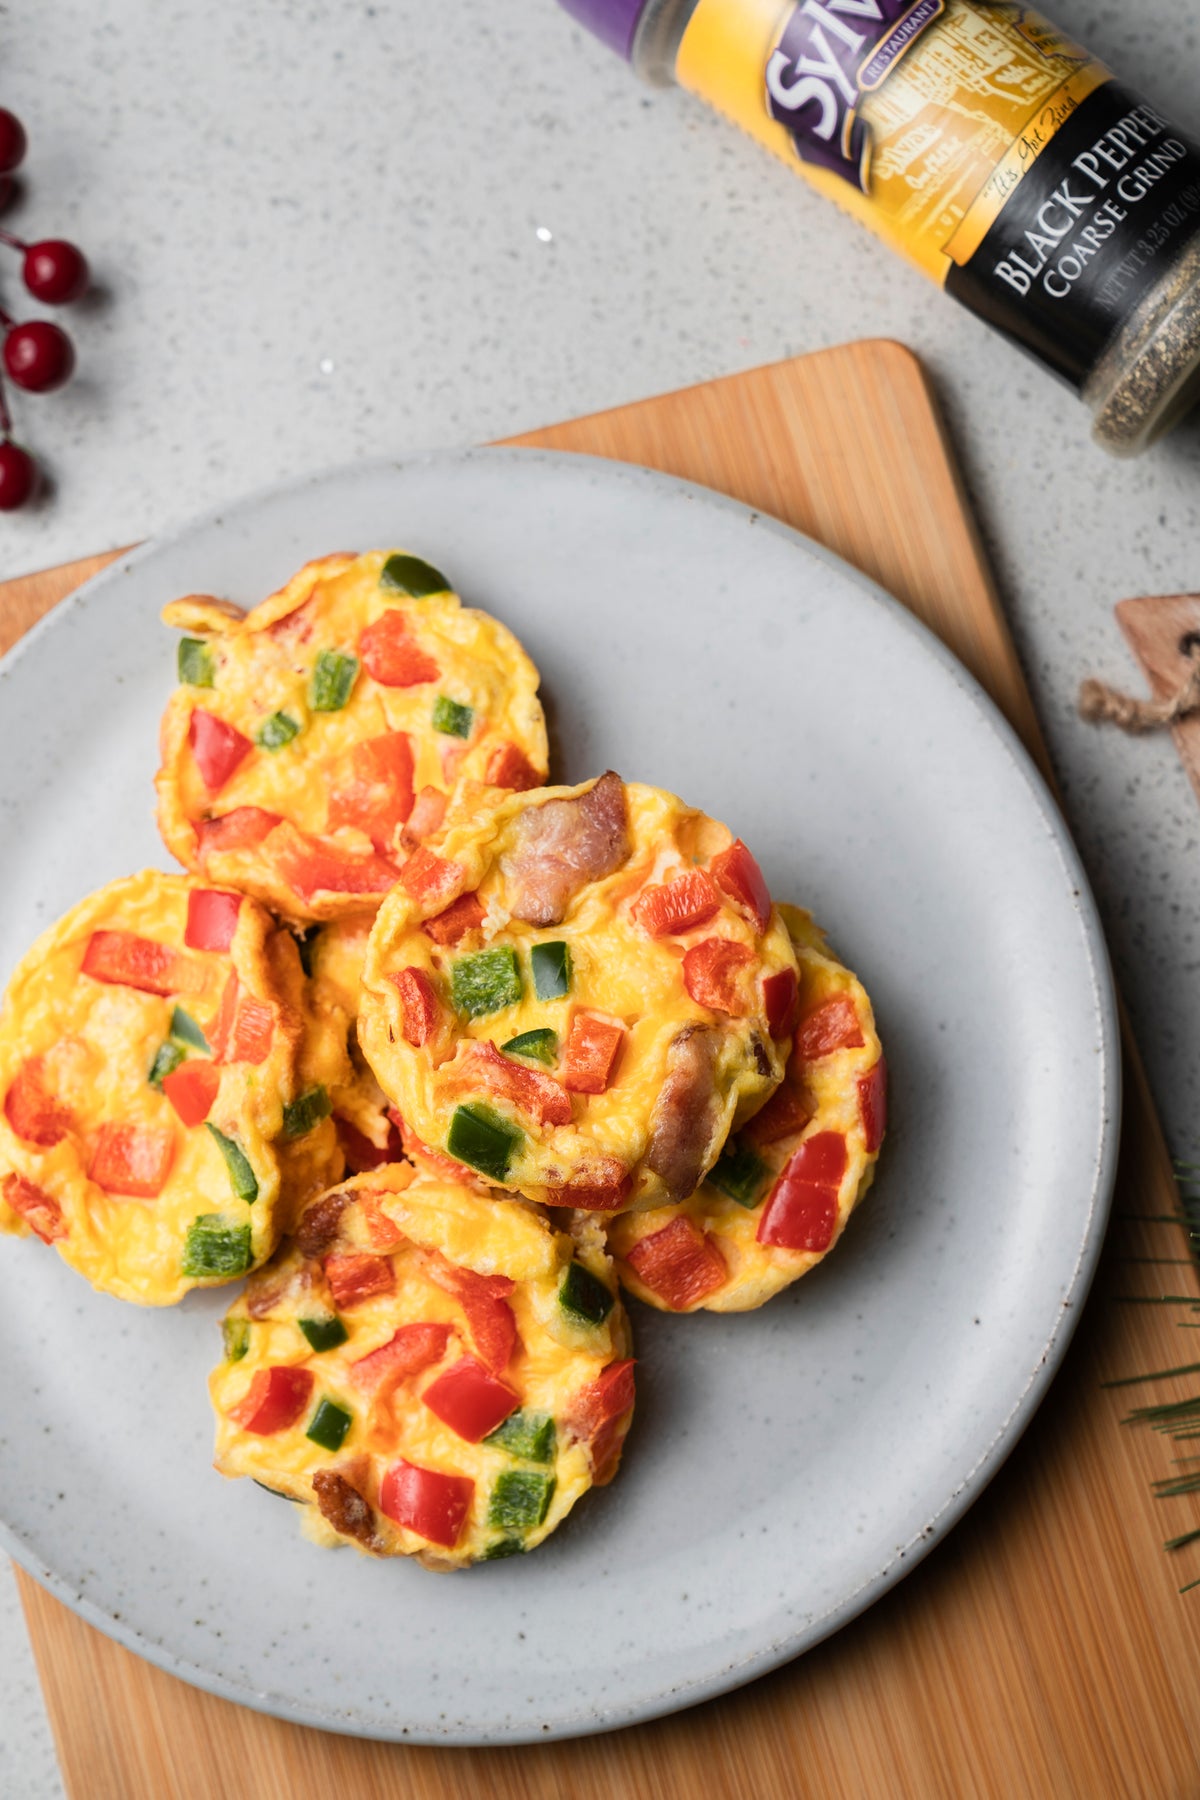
<point x="785" y="1467"/>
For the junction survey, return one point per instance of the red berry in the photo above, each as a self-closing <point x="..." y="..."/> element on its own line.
<point x="55" y="271"/>
<point x="38" y="356"/>
<point x="18" y="476"/>
<point x="12" y="142"/>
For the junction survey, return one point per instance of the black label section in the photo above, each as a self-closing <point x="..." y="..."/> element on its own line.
<point x="1094" y="225"/>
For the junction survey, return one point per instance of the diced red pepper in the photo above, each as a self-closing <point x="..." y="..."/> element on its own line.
<point x="786" y="1114"/>
<point x="418" y="997"/>
<point x="834" y="1025"/>
<point x="509" y="767"/>
<point x="357" y="1277"/>
<point x="243" y="1029"/>
<point x="484" y="1299"/>
<point x="470" y="1400"/>
<point x="781" y="1001"/>
<point x="311" y="867"/>
<point x="452" y="754"/>
<point x="872" y="1104"/>
<point x="126" y="960"/>
<point x="217" y="747"/>
<point x="211" y="919"/>
<point x="429" y="878"/>
<point x="34" y="1114"/>
<point x="425" y="818"/>
<point x="383" y="1233"/>
<point x="465" y="914"/>
<point x="737" y="874"/>
<point x="677" y="906"/>
<point x="597" y="1414"/>
<point x="602" y="1187"/>
<point x="538" y="1095"/>
<point x="407" y="1352"/>
<point x="711" y="971"/>
<point x="590" y="1053"/>
<point x="680" y="1264"/>
<point x="373" y="789"/>
<point x="40" y="1211"/>
<point x="360" y="1153"/>
<point x="392" y="657"/>
<point x="274" y="1400"/>
<point x="242" y="829"/>
<point x="802" y="1210"/>
<point x="192" y="1089"/>
<point x="427" y="1502"/>
<point x="132" y="1159"/>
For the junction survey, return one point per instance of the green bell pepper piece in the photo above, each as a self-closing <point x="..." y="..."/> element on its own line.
<point x="583" y="1296"/>
<point x="235" y="1335"/>
<point x="520" y="1500"/>
<point x="276" y="731"/>
<point x="451" y="718"/>
<point x="486" y="982"/>
<point x="185" y="1030"/>
<point x="413" y="576"/>
<point x="503" y="1547"/>
<point x="323" y="1334"/>
<point x="196" y="663"/>
<point x="242" y="1178"/>
<point x="551" y="965"/>
<point x="330" y="1423"/>
<point x="305" y="1114"/>
<point x="167" y="1059"/>
<point x="539" y="1046"/>
<point x="483" y="1140"/>
<point x="529" y="1435"/>
<point x="214" y="1247"/>
<point x="333" y="677"/>
<point x="739" y="1174"/>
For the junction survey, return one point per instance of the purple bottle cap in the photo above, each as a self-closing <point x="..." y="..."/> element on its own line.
<point x="614" y="22"/>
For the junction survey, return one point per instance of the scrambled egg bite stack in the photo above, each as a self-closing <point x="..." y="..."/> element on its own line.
<point x="148" y="1070"/>
<point x="314" y="741"/>
<point x="579" y="992"/>
<point x="433" y="1377"/>
<point x="778" y="1199"/>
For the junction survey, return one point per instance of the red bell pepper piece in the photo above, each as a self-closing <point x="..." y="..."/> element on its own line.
<point x="802" y="1210"/>
<point x="211" y="919"/>
<point x="540" y="1096"/>
<point x="425" y="818"/>
<point x="598" y="1188"/>
<point x="680" y="1264"/>
<point x="427" y="1502"/>
<point x="590" y="1053"/>
<point x="360" y="1153"/>
<point x="242" y="829"/>
<point x="484" y="1298"/>
<point x="373" y="789"/>
<point x="391" y="657"/>
<point x="429" y="878"/>
<point x="597" y="1414"/>
<point x="34" y="1114"/>
<point x="418" y="997"/>
<point x="311" y="867"/>
<point x="509" y="767"/>
<point x="465" y="914"/>
<point x="781" y="1002"/>
<point x="678" y="906"/>
<point x="40" y="1211"/>
<point x="833" y="1025"/>
<point x="737" y="874"/>
<point x="126" y="960"/>
<point x="407" y="1352"/>
<point x="711" y="972"/>
<point x="192" y="1089"/>
<point x="785" y="1115"/>
<point x="132" y="1159"/>
<point x="357" y="1277"/>
<point x="217" y="747"/>
<point x="470" y="1400"/>
<point x="274" y="1400"/>
<point x="383" y="1233"/>
<point x="243" y="1028"/>
<point x="872" y="1104"/>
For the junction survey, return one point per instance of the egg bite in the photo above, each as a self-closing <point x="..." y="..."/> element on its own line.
<point x="148" y="1052"/>
<point x="778" y="1199"/>
<point x="333" y="956"/>
<point x="579" y="992"/>
<point x="430" y="1376"/>
<point x="313" y="742"/>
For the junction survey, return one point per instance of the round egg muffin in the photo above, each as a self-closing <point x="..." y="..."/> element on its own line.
<point x="433" y="1377"/>
<point x="780" y="1195"/>
<point x="313" y="742"/>
<point x="148" y="1049"/>
<point x="579" y="992"/>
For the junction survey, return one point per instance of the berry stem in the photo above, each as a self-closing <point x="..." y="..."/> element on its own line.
<point x="5" y="415"/>
<point x="6" y="320"/>
<point x="14" y="243"/>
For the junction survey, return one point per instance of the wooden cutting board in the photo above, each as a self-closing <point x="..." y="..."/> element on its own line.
<point x="1043" y="1648"/>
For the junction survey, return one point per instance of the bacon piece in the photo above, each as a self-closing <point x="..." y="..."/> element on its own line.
<point x="509" y="767"/>
<point x="539" y="1096"/>
<point x="372" y="788"/>
<point x="320" y="1224"/>
<point x="346" y="1510"/>
<point x="34" y="1114"/>
<point x="262" y="1297"/>
<point x="242" y="829"/>
<point x="680" y="1264"/>
<point x="407" y="1352"/>
<point x="712" y="971"/>
<point x="40" y="1211"/>
<point x="686" y="1115"/>
<point x="465" y="914"/>
<point x="562" y="845"/>
<point x="425" y="818"/>
<point x="834" y="1025"/>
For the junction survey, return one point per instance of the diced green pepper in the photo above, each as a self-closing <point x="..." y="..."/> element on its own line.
<point x="324" y="1334"/>
<point x="305" y="1114"/>
<point x="412" y="576"/>
<point x="520" y="1500"/>
<point x="529" y="1435"/>
<point x="539" y="1046"/>
<point x="235" y="1335"/>
<point x="503" y="1547"/>
<point x="551" y="965"/>
<point x="486" y="982"/>
<point x="483" y="1140"/>
<point x="329" y="1426"/>
<point x="276" y="731"/>
<point x="214" y="1247"/>
<point x="197" y="664"/>
<point x="583" y="1296"/>
<point x="166" y="1061"/>
<point x="333" y="677"/>
<point x="739" y="1174"/>
<point x="452" y="718"/>
<point x="242" y="1178"/>
<point x="185" y="1030"/>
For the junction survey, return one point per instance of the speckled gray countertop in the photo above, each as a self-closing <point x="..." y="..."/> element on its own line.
<point x="321" y="234"/>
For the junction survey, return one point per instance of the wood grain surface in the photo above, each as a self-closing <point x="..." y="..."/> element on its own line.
<point x="1156" y="629"/>
<point x="1043" y="1648"/>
